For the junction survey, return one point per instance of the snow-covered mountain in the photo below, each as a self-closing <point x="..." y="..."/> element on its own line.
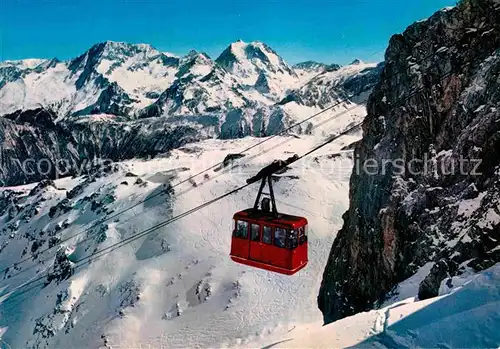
<point x="137" y="80"/>
<point x="140" y="70"/>
<point x="110" y="77"/>
<point x="310" y="66"/>
<point x="336" y="84"/>
<point x="309" y="69"/>
<point x="202" y="88"/>
<point x="248" y="90"/>
<point x="23" y="64"/>
<point x="257" y="65"/>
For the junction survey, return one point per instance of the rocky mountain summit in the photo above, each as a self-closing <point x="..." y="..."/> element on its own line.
<point x="440" y="215"/>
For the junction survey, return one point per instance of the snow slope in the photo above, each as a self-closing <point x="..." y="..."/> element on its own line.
<point x="468" y="317"/>
<point x="177" y="287"/>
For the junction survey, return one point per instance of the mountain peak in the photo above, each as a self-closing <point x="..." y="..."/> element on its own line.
<point x="246" y="50"/>
<point x="194" y="55"/>
<point x="191" y="54"/>
<point x="356" y="62"/>
<point x="113" y="43"/>
<point x="310" y="65"/>
<point x="108" y="44"/>
<point x="248" y="60"/>
<point x="119" y="47"/>
<point x="107" y="56"/>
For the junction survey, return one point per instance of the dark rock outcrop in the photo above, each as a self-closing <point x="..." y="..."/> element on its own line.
<point x="62" y="269"/>
<point x="231" y="158"/>
<point x="262" y="84"/>
<point x="38" y="117"/>
<point x="438" y="208"/>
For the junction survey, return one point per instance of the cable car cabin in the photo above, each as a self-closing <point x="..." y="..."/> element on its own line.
<point x="276" y="243"/>
<point x="266" y="239"/>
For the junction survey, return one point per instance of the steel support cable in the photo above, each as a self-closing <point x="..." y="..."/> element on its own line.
<point x="134" y="237"/>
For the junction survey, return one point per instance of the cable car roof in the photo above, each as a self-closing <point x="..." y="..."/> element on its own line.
<point x="263" y="216"/>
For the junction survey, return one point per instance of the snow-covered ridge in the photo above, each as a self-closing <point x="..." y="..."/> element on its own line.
<point x="23" y="63"/>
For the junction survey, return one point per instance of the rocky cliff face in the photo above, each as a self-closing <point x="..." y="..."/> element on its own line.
<point x="442" y="207"/>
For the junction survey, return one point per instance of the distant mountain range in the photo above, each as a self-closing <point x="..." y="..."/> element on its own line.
<point x="137" y="81"/>
<point x="120" y="100"/>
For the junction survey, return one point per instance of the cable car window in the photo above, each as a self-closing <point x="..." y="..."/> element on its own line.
<point x="241" y="230"/>
<point x="302" y="235"/>
<point x="279" y="237"/>
<point x="292" y="239"/>
<point x="267" y="237"/>
<point x="255" y="232"/>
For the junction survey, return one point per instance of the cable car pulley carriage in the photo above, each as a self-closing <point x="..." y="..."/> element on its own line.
<point x="266" y="239"/>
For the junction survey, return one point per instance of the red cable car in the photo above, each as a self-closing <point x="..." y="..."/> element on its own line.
<point x="266" y="239"/>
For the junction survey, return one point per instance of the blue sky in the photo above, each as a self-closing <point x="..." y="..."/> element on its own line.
<point x="330" y="31"/>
